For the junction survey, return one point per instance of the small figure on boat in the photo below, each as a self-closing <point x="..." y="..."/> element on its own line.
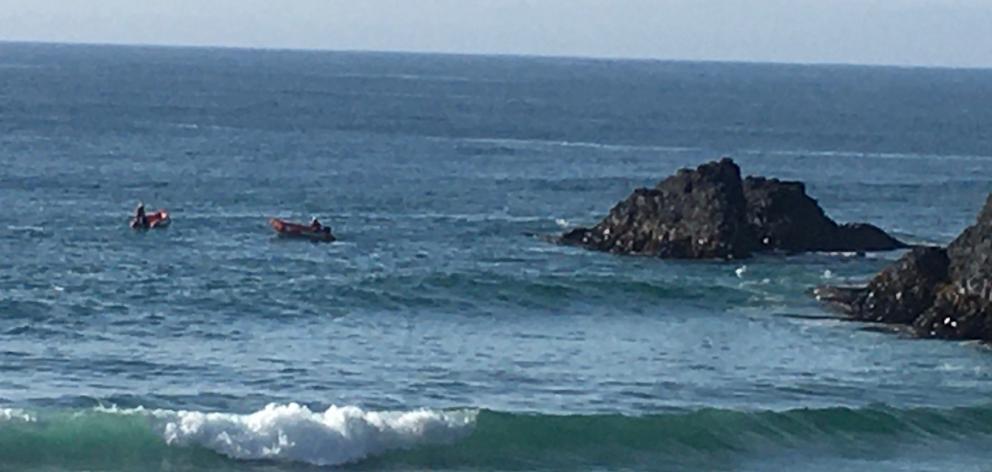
<point x="314" y="231"/>
<point x="142" y="220"/>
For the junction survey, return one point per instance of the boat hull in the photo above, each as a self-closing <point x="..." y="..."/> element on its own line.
<point x="285" y="229"/>
<point x="158" y="219"/>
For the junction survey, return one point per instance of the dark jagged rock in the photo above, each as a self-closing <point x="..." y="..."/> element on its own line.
<point x="964" y="308"/>
<point x="971" y="255"/>
<point x="862" y="237"/>
<point x="694" y="214"/>
<point x="941" y="293"/>
<point x="784" y="217"/>
<point x="900" y="293"/>
<point x="710" y="213"/>
<point x="956" y="314"/>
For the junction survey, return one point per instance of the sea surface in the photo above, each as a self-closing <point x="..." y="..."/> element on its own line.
<point x="441" y="332"/>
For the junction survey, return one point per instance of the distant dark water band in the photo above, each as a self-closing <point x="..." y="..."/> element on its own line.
<point x="711" y="439"/>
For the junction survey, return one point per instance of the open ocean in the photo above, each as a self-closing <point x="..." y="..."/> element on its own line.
<point x="439" y="333"/>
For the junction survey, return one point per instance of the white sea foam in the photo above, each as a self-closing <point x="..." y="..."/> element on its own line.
<point x="863" y="155"/>
<point x="530" y="143"/>
<point x="293" y="432"/>
<point x="26" y="228"/>
<point x="14" y="414"/>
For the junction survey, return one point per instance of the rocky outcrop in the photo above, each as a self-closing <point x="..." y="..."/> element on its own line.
<point x="783" y="217"/>
<point x="900" y="293"/>
<point x="971" y="255"/>
<point x="963" y="309"/>
<point x="709" y="212"/>
<point x="956" y="314"/>
<point x="695" y="214"/>
<point x="941" y="293"/>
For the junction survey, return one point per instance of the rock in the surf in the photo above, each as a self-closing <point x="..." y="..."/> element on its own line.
<point x="784" y="217"/>
<point x="900" y="293"/>
<point x="711" y="213"/>
<point x="963" y="310"/>
<point x="694" y="214"/>
<point x="956" y="314"/>
<point x="971" y="254"/>
<point x="942" y="293"/>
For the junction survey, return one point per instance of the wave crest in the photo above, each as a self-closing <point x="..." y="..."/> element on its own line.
<point x="14" y="414"/>
<point x="293" y="432"/>
<point x="141" y="439"/>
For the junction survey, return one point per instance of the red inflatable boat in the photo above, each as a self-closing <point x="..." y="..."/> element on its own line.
<point x="156" y="219"/>
<point x="293" y="230"/>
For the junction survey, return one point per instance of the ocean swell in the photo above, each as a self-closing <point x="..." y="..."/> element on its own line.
<point x="140" y="439"/>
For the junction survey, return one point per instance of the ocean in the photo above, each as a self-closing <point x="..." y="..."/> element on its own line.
<point x="441" y="332"/>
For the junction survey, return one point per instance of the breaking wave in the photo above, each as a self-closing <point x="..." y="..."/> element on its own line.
<point x="119" y="439"/>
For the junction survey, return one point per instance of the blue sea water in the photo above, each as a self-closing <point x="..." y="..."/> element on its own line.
<point x="439" y="332"/>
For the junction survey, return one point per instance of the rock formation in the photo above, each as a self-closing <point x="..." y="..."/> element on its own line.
<point x="695" y="214"/>
<point x="784" y="218"/>
<point x="711" y="213"/>
<point x="900" y="293"/>
<point x="941" y="293"/>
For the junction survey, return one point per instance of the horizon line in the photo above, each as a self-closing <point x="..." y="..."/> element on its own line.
<point x="489" y="54"/>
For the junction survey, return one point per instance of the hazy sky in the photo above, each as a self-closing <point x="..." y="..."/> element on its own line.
<point x="917" y="32"/>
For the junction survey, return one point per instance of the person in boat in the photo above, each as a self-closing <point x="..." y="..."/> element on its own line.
<point x="315" y="225"/>
<point x="140" y="219"/>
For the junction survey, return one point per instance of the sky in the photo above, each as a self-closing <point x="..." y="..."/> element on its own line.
<point x="953" y="33"/>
